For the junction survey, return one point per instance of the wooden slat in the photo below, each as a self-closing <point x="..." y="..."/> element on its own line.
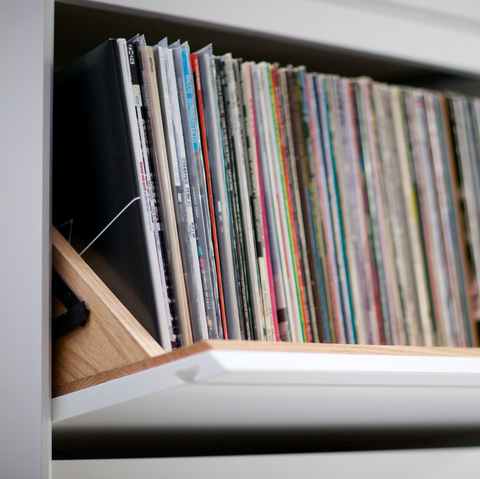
<point x="261" y="346"/>
<point x="112" y="337"/>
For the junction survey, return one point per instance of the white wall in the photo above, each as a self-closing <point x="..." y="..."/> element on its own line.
<point x="25" y="78"/>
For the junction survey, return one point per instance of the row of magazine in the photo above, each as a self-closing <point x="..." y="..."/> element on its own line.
<point x="282" y="205"/>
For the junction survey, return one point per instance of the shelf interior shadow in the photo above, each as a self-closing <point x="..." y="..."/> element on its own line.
<point x="80" y="29"/>
<point x="184" y="443"/>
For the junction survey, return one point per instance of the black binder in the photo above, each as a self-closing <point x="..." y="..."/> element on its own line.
<point x="94" y="179"/>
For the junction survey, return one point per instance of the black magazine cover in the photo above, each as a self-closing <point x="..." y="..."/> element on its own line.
<point x="94" y="179"/>
<point x="156" y="194"/>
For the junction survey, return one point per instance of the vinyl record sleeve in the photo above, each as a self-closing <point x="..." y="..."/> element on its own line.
<point x="227" y="111"/>
<point x="387" y="206"/>
<point x="275" y="205"/>
<point x="467" y="159"/>
<point x="446" y="221"/>
<point x="280" y="285"/>
<point x="208" y="180"/>
<point x="95" y="179"/>
<point x="164" y="193"/>
<point x="136" y="84"/>
<point x="428" y="220"/>
<point x="370" y="177"/>
<point x="180" y="181"/>
<point x="304" y="182"/>
<point x="256" y="199"/>
<point x="323" y="204"/>
<point x="343" y="228"/>
<point x="222" y="209"/>
<point x="198" y="189"/>
<point x="325" y="210"/>
<point x="395" y="167"/>
<point x="355" y="212"/>
<point x="294" y="217"/>
<point x="323" y="155"/>
<point x="248" y="215"/>
<point x="275" y="170"/>
<point x="328" y="128"/>
<point x="402" y="199"/>
<point x="413" y="247"/>
<point x="244" y="310"/>
<point x="458" y="233"/>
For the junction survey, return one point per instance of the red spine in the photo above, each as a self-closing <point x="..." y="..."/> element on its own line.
<point x="196" y="72"/>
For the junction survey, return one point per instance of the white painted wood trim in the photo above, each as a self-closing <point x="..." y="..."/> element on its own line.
<point x="413" y="464"/>
<point x="244" y="389"/>
<point x="399" y="30"/>
<point x="26" y="35"/>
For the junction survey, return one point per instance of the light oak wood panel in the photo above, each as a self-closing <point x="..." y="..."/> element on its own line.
<point x="112" y="337"/>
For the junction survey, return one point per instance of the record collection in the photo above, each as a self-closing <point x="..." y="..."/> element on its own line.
<point x="226" y="199"/>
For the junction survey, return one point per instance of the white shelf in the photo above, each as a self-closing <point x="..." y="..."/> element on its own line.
<point x="25" y="437"/>
<point x="444" y="34"/>
<point x="216" y="388"/>
<point x="417" y="464"/>
<point x="268" y="390"/>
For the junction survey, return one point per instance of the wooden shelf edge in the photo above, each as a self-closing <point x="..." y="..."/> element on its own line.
<point x="258" y="346"/>
<point x="112" y="338"/>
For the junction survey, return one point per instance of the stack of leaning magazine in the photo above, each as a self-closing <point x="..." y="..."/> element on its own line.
<point x="268" y="203"/>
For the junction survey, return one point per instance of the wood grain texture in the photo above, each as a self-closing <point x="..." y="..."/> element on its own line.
<point x="310" y="348"/>
<point x="112" y="337"/>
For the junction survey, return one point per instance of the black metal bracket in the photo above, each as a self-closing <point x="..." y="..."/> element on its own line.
<point x="77" y="312"/>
